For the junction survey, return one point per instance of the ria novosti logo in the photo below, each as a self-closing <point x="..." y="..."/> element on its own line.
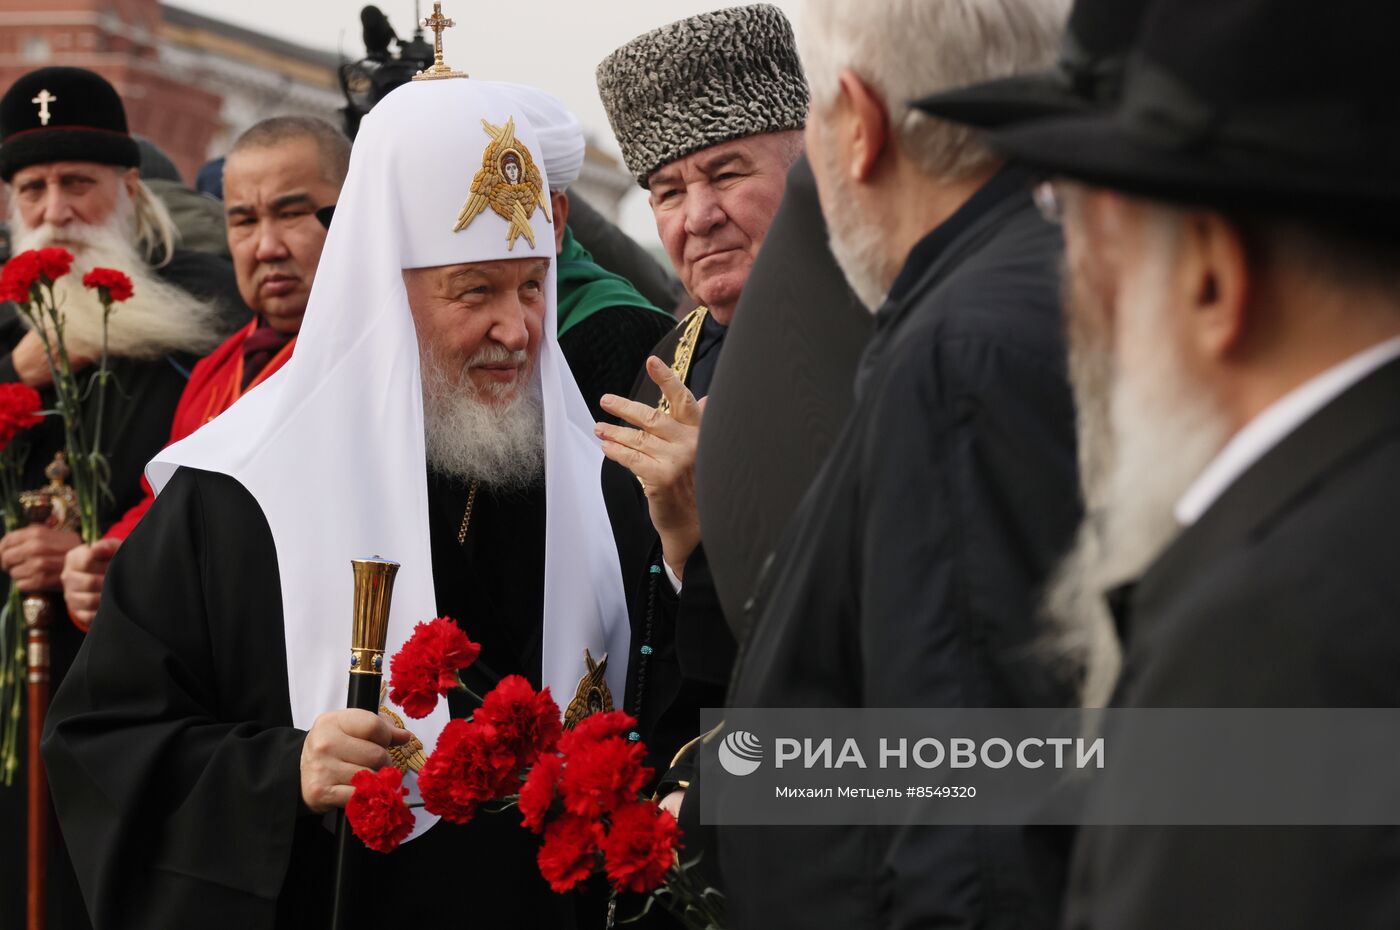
<point x="740" y="753"/>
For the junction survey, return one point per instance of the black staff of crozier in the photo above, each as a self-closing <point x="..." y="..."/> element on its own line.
<point x="374" y="586"/>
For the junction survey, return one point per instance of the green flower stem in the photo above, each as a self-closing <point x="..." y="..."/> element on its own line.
<point x="462" y="685"/>
<point x="92" y="528"/>
<point x="11" y="679"/>
<point x="12" y="659"/>
<point x="89" y="484"/>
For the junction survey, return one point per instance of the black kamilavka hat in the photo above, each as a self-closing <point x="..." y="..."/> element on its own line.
<point x="1284" y="106"/>
<point x="1089" y="73"/>
<point x="63" y="114"/>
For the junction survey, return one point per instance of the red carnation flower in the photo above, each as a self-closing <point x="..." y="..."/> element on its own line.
<point x="596" y="727"/>
<point x="54" y="262"/>
<point x="116" y="285"/>
<point x="377" y="812"/>
<point x="528" y="722"/>
<point x="20" y="275"/>
<point x="469" y="766"/>
<point x="640" y="847"/>
<point x="427" y="665"/>
<point x="19" y="410"/>
<point x="601" y="777"/>
<point x="567" y="854"/>
<point x="537" y="794"/>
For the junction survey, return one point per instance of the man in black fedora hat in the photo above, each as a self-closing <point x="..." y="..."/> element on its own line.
<point x="1233" y="237"/>
<point x="1088" y="73"/>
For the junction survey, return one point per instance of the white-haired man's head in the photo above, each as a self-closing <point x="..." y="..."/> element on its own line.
<point x="107" y="218"/>
<point x="1185" y="324"/>
<point x="480" y="329"/>
<point x="878" y="162"/>
<point x="1145" y="428"/>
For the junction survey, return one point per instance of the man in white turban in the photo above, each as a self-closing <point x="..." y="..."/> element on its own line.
<point x="426" y="417"/>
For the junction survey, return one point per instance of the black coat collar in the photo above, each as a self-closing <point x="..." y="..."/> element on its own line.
<point x="1363" y="415"/>
<point x="940" y="254"/>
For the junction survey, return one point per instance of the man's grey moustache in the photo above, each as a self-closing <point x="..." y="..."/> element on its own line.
<point x="497" y="357"/>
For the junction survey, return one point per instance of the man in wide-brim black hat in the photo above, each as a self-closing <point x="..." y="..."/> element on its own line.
<point x="1233" y="237"/>
<point x="1088" y="73"/>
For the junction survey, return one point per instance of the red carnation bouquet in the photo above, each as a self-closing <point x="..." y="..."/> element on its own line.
<point x="19" y="410"/>
<point x="28" y="280"/>
<point x="580" y="789"/>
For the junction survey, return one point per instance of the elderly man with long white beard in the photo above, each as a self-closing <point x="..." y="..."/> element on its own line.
<point x="428" y="417"/>
<point x="70" y="167"/>
<point x="1233" y="244"/>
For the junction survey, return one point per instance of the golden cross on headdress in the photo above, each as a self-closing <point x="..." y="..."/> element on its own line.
<point x="437" y="23"/>
<point x="43" y="100"/>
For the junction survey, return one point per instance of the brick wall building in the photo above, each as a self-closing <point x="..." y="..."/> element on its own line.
<point x="192" y="83"/>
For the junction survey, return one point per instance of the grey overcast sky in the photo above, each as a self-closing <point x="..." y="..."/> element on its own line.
<point x="553" y="44"/>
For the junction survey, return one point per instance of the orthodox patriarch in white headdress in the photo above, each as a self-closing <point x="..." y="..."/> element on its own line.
<point x="428" y="418"/>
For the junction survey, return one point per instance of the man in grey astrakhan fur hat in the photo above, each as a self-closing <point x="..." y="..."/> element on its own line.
<point x="709" y="113"/>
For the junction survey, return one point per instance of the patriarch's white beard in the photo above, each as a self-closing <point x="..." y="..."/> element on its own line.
<point x="1146" y="430"/>
<point x="158" y="318"/>
<point x="467" y="437"/>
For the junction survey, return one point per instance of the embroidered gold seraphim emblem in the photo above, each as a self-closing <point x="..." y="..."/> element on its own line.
<point x="509" y="183"/>
<point x="592" y="695"/>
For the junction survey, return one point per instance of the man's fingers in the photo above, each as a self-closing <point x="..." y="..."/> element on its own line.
<point x="23" y="550"/>
<point x="104" y="549"/>
<point x="75" y="582"/>
<point x="37" y="579"/>
<point x="338" y="796"/>
<point x="643" y="416"/>
<point x="644" y="467"/>
<point x="398" y="736"/>
<point x="363" y="755"/>
<point x="683" y="406"/>
<point x="631" y="438"/>
<point x="92" y="560"/>
<point x="82" y="604"/>
<point x="19" y="537"/>
<point x="363" y="725"/>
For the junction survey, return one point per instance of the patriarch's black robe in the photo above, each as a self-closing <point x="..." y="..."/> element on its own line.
<point x="173" y="757"/>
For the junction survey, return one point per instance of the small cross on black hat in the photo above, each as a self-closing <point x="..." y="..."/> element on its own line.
<point x="1283" y="106"/>
<point x="63" y="114"/>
